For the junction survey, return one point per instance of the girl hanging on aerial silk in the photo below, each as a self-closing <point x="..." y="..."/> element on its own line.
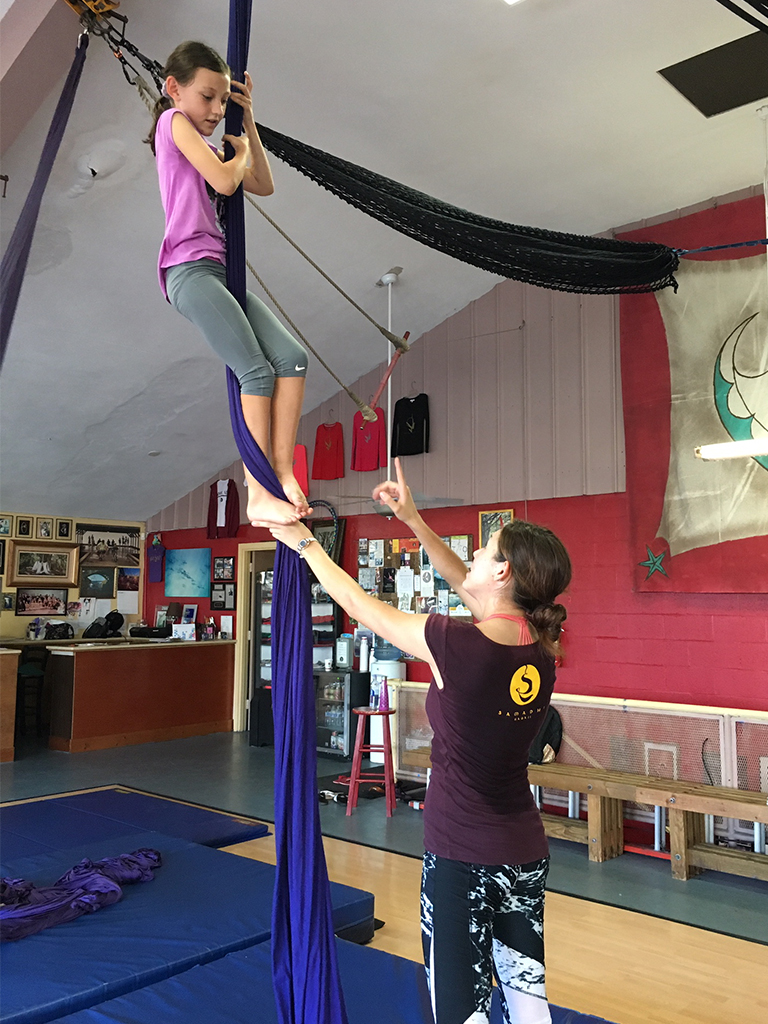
<point x="269" y="363"/>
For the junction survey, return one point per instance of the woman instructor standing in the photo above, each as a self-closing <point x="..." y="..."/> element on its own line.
<point x="486" y="859"/>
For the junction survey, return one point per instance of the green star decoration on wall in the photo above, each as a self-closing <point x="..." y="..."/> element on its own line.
<point x="654" y="563"/>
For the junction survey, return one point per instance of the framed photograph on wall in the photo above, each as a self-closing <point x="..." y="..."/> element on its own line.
<point x="41" y="601"/>
<point x="31" y="562"/>
<point x="223" y="597"/>
<point x="224" y="567"/>
<point x="161" y="610"/>
<point x="330" y="536"/>
<point x="9" y="601"/>
<point x="490" y="522"/>
<point x="24" y="526"/>
<point x="6" y="525"/>
<point x="108" y="544"/>
<point x="43" y="528"/>
<point x="2" y="556"/>
<point x="189" y="614"/>
<point x="97" y="581"/>
<point x="63" y="529"/>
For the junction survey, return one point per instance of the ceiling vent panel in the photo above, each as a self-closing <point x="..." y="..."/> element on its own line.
<point x="724" y="78"/>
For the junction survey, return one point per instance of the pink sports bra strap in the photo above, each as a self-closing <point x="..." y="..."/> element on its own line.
<point x="525" y="633"/>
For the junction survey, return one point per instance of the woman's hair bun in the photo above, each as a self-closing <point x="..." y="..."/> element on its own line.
<point x="548" y="618"/>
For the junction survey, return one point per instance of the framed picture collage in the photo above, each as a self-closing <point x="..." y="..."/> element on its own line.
<point x="45" y="557"/>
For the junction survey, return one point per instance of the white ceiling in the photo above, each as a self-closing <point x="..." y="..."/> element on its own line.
<point x="548" y="112"/>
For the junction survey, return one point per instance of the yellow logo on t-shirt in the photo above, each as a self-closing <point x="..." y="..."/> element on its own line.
<point x="525" y="684"/>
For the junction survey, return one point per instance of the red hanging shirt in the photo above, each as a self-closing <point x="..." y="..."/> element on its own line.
<point x="328" y="462"/>
<point x="300" y="469"/>
<point x="369" y="443"/>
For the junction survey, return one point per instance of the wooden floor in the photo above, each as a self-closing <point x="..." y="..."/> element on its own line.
<point x="629" y="968"/>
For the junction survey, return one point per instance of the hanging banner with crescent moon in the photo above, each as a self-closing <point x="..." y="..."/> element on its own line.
<point x="695" y="371"/>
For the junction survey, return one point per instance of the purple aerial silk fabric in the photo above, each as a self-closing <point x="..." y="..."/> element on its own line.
<point x="304" y="965"/>
<point x="87" y="887"/>
<point x="15" y="258"/>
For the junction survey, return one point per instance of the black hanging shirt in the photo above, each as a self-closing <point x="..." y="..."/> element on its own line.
<point x="410" y="426"/>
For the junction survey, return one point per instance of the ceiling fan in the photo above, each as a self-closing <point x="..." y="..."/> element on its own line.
<point x="420" y="500"/>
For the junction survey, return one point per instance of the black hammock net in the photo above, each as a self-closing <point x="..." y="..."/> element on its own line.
<point x="550" y="259"/>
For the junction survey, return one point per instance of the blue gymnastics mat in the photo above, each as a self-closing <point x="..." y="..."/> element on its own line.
<point x="41" y="826"/>
<point x="378" y="989"/>
<point x="201" y="905"/>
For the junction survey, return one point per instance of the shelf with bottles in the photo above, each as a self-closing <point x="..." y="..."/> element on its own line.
<point x="322" y="613"/>
<point x="332" y="691"/>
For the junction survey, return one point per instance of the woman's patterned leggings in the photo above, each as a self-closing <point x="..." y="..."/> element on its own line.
<point x="479" y="921"/>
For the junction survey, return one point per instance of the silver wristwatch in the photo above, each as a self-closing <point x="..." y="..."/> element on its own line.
<point x="303" y="544"/>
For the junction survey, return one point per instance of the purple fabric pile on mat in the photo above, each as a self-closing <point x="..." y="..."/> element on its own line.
<point x="26" y="909"/>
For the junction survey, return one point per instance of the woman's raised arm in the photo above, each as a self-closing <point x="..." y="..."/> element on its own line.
<point x="397" y="496"/>
<point x="402" y="629"/>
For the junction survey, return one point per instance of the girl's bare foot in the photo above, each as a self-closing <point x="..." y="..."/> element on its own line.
<point x="265" y="510"/>
<point x="294" y="494"/>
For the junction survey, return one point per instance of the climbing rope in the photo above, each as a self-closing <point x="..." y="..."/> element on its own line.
<point x="366" y="410"/>
<point x="400" y="343"/>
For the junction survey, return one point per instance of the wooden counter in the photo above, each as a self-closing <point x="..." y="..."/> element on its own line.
<point x="115" y="695"/>
<point x="9" y="666"/>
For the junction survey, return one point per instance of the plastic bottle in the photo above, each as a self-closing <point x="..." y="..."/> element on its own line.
<point x="364" y="654"/>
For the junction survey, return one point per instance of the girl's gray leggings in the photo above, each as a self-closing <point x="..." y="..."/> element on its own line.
<point x="256" y="346"/>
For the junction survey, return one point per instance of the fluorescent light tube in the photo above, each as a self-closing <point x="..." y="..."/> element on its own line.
<point x="733" y="449"/>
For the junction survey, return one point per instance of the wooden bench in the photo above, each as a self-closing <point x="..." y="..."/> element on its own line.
<point x="686" y="804"/>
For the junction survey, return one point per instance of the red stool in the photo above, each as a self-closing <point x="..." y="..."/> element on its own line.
<point x="388" y="777"/>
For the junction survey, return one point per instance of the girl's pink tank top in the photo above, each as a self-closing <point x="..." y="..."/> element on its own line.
<point x="191" y="231"/>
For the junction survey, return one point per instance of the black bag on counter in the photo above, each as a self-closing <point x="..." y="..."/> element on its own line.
<point x="114" y="623"/>
<point x="101" y="628"/>
<point x="58" y="631"/>
<point x="97" y="629"/>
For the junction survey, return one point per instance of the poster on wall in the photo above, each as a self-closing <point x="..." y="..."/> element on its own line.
<point x="128" y="579"/>
<point x="187" y="572"/>
<point x="695" y="371"/>
<point x="102" y="544"/>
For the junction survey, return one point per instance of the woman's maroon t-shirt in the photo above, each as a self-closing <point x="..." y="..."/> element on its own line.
<point x="479" y="806"/>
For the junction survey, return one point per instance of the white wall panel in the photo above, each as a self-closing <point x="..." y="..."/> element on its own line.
<point x="568" y="411"/>
<point x="538" y="364"/>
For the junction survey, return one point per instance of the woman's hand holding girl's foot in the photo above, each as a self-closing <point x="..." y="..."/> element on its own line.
<point x="266" y="510"/>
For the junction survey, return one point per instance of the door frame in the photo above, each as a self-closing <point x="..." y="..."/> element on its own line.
<point x="242" y="620"/>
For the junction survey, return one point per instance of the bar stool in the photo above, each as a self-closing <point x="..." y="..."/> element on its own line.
<point x="388" y="776"/>
<point x="29" y="683"/>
